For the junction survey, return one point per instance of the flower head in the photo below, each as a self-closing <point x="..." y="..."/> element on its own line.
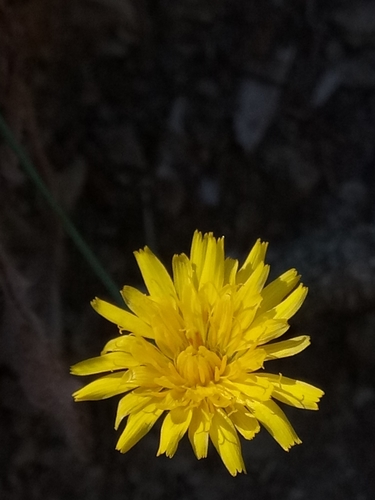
<point x="194" y="350"/>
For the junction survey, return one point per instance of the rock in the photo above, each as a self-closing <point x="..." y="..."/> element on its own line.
<point x="256" y="106"/>
<point x="357" y="22"/>
<point x="351" y="73"/>
<point x="287" y="164"/>
<point x="209" y="191"/>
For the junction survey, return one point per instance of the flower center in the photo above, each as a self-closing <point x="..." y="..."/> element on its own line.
<point x="200" y="366"/>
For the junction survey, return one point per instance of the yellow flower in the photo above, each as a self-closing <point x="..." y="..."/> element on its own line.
<point x="194" y="350"/>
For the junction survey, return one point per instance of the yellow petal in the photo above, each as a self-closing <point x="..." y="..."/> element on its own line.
<point x="169" y="329"/>
<point x="145" y="376"/>
<point x="286" y="347"/>
<point x="230" y="271"/>
<point x="263" y="330"/>
<point x="252" y="287"/>
<point x="249" y="388"/>
<point x="221" y="323"/>
<point x="124" y="319"/>
<point x="131" y="403"/>
<point x="156" y="277"/>
<point x="182" y="273"/>
<point x="256" y="281"/>
<point x="252" y="359"/>
<point x="246" y="317"/>
<point x="194" y="310"/>
<point x="275" y="292"/>
<point x="106" y="363"/>
<point x="272" y="329"/>
<point x="225" y="439"/>
<point x="103" y="388"/>
<point x="137" y="426"/>
<point x="141" y="304"/>
<point x="199" y="431"/>
<point x="122" y="343"/>
<point x="245" y="423"/>
<point x="213" y="265"/>
<point x="148" y="354"/>
<point x="274" y="420"/>
<point x="173" y="429"/>
<point x="255" y="257"/>
<point x="142" y="351"/>
<point x="294" y="392"/>
<point x="198" y="254"/>
<point x="235" y="339"/>
<point x="289" y="306"/>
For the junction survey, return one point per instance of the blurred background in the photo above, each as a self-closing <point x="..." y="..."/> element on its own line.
<point x="148" y="119"/>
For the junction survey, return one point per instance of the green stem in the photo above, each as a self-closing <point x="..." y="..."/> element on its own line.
<point x="80" y="243"/>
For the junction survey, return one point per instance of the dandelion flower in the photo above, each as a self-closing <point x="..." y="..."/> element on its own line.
<point x="194" y="350"/>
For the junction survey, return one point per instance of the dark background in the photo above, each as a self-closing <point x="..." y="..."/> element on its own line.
<point x="149" y="119"/>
